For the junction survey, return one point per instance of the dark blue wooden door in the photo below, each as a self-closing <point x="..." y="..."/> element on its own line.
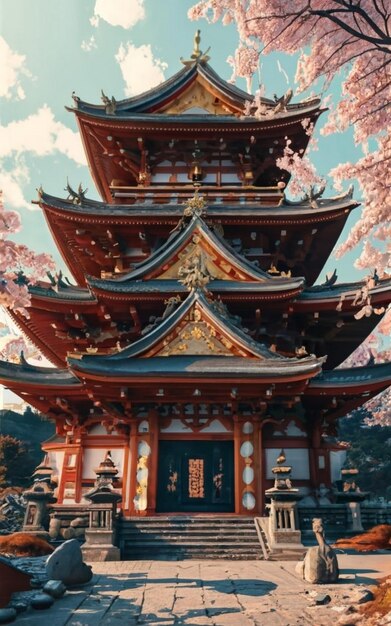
<point x="195" y="476"/>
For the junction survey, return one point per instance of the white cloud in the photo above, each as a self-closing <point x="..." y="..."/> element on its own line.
<point x="125" y="13"/>
<point x="38" y="135"/>
<point x="88" y="45"/>
<point x="41" y="135"/>
<point x="12" y="67"/>
<point x="140" y="70"/>
<point x="11" y="184"/>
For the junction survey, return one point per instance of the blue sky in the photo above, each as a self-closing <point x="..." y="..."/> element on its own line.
<point x="49" y="48"/>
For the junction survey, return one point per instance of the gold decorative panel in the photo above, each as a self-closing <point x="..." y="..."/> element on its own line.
<point x="196" y="478"/>
<point x="197" y="337"/>
<point x="197" y="96"/>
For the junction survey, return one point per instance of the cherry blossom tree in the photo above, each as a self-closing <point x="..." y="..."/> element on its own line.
<point x="372" y="351"/>
<point x="348" y="37"/>
<point x="19" y="266"/>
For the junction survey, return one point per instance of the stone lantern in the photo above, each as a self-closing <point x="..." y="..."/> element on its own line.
<point x="283" y="529"/>
<point x="349" y="493"/>
<point x="99" y="544"/>
<point x="39" y="496"/>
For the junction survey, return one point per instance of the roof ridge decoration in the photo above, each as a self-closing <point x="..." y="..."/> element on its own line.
<point x="76" y="197"/>
<point x="197" y="55"/>
<point x="195" y="206"/>
<point x="194" y="273"/>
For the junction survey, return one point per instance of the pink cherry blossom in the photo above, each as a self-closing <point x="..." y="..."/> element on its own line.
<point x="17" y="260"/>
<point x="333" y="37"/>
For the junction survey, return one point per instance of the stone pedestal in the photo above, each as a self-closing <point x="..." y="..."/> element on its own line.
<point x="350" y="494"/>
<point x="99" y="544"/>
<point x="283" y="527"/>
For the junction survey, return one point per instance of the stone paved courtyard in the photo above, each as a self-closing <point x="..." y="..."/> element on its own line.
<point x="207" y="593"/>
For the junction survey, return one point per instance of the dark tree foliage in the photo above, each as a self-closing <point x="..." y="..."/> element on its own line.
<point x="29" y="430"/>
<point x="16" y="464"/>
<point x="370" y="452"/>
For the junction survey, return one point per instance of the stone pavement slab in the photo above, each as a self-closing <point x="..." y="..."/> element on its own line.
<point x="207" y="593"/>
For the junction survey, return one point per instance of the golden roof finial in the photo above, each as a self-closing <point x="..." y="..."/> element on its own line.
<point x="197" y="56"/>
<point x="196" y="50"/>
<point x="195" y="206"/>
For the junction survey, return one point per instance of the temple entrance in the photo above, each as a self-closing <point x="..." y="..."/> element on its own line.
<point x="195" y="476"/>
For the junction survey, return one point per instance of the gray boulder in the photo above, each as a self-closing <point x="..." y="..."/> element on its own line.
<point x="66" y="564"/>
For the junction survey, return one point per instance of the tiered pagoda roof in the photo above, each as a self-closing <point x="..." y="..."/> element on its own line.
<point x="183" y="297"/>
<point x="95" y="237"/>
<point x="127" y="140"/>
<point x="280" y="308"/>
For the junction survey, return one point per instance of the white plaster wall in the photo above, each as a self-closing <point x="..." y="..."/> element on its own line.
<point x="294" y="431"/>
<point x="176" y="426"/>
<point x="182" y="177"/>
<point x="215" y="427"/>
<point x="97" y="429"/>
<point x="230" y="177"/>
<point x="298" y="458"/>
<point x="93" y="457"/>
<point x="337" y="459"/>
<point x="56" y="458"/>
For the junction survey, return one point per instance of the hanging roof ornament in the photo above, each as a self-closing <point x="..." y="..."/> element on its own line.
<point x="197" y="55"/>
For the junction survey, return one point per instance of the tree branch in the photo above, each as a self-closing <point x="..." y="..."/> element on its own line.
<point x="381" y="40"/>
<point x="375" y="69"/>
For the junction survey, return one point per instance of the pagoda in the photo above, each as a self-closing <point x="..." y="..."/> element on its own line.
<point x="194" y="345"/>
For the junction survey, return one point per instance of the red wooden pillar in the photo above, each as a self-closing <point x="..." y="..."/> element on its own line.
<point x="71" y="472"/>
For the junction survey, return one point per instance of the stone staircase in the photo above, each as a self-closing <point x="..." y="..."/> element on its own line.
<point x="188" y="537"/>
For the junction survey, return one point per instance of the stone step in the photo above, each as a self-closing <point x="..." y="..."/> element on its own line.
<point x="187" y="537"/>
<point x="147" y="536"/>
<point x="186" y="531"/>
<point x="215" y="526"/>
<point x="180" y="538"/>
<point x="207" y="550"/>
<point x="169" y="556"/>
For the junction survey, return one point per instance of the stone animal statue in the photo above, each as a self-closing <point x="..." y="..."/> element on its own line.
<point x="320" y="564"/>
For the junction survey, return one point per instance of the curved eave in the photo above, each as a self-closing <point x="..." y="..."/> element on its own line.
<point x="81" y="297"/>
<point x="278" y="288"/>
<point x="372" y="378"/>
<point x="29" y="377"/>
<point x="189" y="367"/>
<point x="325" y="297"/>
<point x="209" y="123"/>
<point x="25" y="325"/>
<point x="161" y="95"/>
<point x="125" y="214"/>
